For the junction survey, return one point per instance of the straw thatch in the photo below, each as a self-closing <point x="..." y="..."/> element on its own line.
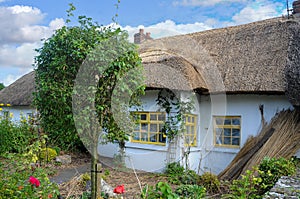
<point x="249" y="58"/>
<point x="292" y="71"/>
<point x="20" y="92"/>
<point x="280" y="138"/>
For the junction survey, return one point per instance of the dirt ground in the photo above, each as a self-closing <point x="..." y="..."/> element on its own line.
<point x="66" y="176"/>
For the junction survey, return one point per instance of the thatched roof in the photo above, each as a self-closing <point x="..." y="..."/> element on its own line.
<point x="248" y="58"/>
<point x="20" y="92"/>
<point x="292" y="71"/>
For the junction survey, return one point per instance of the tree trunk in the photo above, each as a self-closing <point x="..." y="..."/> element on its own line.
<point x="94" y="180"/>
<point x="122" y="152"/>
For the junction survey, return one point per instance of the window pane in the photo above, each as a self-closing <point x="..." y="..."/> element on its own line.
<point x="227" y="122"/>
<point x="193" y="119"/>
<point x="189" y="119"/>
<point x="136" y="136"/>
<point x="153" y="138"/>
<point x="143" y="116"/>
<point x="137" y="127"/>
<point x="227" y="140"/>
<point x="144" y="127"/>
<point x="235" y="141"/>
<point x="236" y="121"/>
<point x="188" y="129"/>
<point x="161" y="127"/>
<point x="153" y="127"/>
<point x="219" y="131"/>
<point x="153" y="117"/>
<point x="227" y="132"/>
<point x="161" y="117"/>
<point x="219" y="121"/>
<point x="192" y="129"/>
<point x="144" y="137"/>
<point x="236" y="132"/>
<point x="218" y="140"/>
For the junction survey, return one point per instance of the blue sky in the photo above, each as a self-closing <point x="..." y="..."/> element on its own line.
<point x="23" y="23"/>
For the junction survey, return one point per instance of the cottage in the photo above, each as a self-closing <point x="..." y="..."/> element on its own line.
<point x="236" y="78"/>
<point x="19" y="96"/>
<point x="239" y="78"/>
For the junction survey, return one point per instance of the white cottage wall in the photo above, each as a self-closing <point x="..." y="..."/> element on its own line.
<point x="140" y="156"/>
<point x="205" y="156"/>
<point x="18" y="111"/>
<point x="149" y="157"/>
<point x="215" y="159"/>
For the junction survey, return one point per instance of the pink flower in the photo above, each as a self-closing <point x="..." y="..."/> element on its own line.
<point x="119" y="189"/>
<point x="34" y="181"/>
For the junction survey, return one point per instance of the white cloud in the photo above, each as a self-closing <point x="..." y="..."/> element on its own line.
<point x="18" y="24"/>
<point x="167" y="28"/>
<point x="204" y="2"/>
<point x="21" y="56"/>
<point x="20" y="34"/>
<point x="257" y="10"/>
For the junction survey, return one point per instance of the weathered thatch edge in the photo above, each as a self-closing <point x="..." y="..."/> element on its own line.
<point x="292" y="70"/>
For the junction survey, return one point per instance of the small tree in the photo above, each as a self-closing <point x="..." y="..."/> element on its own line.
<point x="83" y="75"/>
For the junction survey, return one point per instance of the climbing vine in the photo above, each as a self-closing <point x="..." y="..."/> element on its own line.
<point x="176" y="110"/>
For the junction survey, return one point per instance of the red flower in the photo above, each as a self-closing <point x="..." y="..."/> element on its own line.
<point x="34" y="181"/>
<point x="119" y="189"/>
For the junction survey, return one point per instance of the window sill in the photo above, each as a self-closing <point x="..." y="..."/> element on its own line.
<point x="225" y="149"/>
<point x="152" y="147"/>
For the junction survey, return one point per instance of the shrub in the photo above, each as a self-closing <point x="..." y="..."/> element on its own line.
<point x="256" y="182"/>
<point x="174" y="168"/>
<point x="20" y="181"/>
<point x="161" y="190"/>
<point x="271" y="169"/>
<point x="47" y="154"/>
<point x="178" y="175"/>
<point x="188" y="177"/>
<point x="191" y="191"/>
<point x="246" y="187"/>
<point x="15" y="137"/>
<point x="210" y="182"/>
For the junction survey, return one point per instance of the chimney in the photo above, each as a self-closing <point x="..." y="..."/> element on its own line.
<point x="148" y="35"/>
<point x="141" y="31"/>
<point x="140" y="37"/>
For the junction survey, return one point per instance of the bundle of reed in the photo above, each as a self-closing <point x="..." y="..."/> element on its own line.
<point x="280" y="138"/>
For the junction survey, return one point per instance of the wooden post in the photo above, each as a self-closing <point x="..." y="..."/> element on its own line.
<point x="99" y="177"/>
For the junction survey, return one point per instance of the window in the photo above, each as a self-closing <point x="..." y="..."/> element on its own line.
<point x="227" y="130"/>
<point x="149" y="129"/>
<point x="190" y="134"/>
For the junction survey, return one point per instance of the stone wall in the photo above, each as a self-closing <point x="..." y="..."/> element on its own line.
<point x="286" y="187"/>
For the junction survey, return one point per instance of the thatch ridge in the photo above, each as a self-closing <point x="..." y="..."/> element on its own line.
<point x="19" y="93"/>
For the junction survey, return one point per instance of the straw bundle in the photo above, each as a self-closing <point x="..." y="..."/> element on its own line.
<point x="280" y="138"/>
